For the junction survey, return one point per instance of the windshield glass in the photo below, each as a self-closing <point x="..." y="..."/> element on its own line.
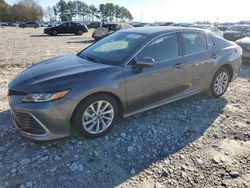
<point x="113" y="48"/>
<point x="240" y="28"/>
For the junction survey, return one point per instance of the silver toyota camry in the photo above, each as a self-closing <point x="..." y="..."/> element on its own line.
<point x="128" y="72"/>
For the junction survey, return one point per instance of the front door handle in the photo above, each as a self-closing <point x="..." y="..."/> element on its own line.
<point x="177" y="66"/>
<point x="214" y="56"/>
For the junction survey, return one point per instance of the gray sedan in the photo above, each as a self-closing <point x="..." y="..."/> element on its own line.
<point x="126" y="73"/>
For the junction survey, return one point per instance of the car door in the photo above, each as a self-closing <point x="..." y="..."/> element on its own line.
<point x="62" y="28"/>
<point x="199" y="58"/>
<point x="73" y="28"/>
<point x="164" y="80"/>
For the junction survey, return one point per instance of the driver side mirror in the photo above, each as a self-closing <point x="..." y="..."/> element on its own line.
<point x="146" y="62"/>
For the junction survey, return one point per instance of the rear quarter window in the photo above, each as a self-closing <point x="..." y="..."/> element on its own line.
<point x="194" y="42"/>
<point x="210" y="43"/>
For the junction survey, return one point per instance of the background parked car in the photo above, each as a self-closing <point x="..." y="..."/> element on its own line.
<point x="29" y="24"/>
<point x="108" y="28"/>
<point x="182" y="24"/>
<point x="67" y="27"/>
<point x="244" y="43"/>
<point x="14" y="24"/>
<point x="94" y="25"/>
<point x="222" y="28"/>
<point x="237" y="32"/>
<point x="211" y="28"/>
<point x="3" y="24"/>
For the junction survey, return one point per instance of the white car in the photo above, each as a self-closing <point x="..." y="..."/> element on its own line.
<point x="211" y="28"/>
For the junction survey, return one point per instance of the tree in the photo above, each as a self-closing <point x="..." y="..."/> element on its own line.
<point x="93" y="11"/>
<point x="55" y="12"/>
<point x="110" y="11"/>
<point x="117" y="12"/>
<point x="83" y="10"/>
<point x="63" y="10"/>
<point x="27" y="10"/>
<point x="72" y="9"/>
<point x="5" y="12"/>
<point x="102" y="11"/>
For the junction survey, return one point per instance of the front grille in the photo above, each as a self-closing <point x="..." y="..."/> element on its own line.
<point x="15" y="92"/>
<point x="27" y="123"/>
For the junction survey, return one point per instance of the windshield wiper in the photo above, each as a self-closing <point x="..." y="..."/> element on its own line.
<point x="91" y="58"/>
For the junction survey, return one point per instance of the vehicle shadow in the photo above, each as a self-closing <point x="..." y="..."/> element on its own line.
<point x="134" y="144"/>
<point x="81" y="42"/>
<point x="60" y="35"/>
<point x="245" y="71"/>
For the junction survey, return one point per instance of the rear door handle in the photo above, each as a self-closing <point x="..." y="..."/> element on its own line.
<point x="214" y="56"/>
<point x="177" y="66"/>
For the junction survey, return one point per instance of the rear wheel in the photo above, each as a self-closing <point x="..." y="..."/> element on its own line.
<point x="219" y="83"/>
<point x="95" y="116"/>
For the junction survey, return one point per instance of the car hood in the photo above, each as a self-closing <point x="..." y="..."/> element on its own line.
<point x="55" y="74"/>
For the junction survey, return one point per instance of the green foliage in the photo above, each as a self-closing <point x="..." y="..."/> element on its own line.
<point x="108" y="11"/>
<point x="4" y="11"/>
<point x="30" y="10"/>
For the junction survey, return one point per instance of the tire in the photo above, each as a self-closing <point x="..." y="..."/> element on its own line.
<point x="86" y="122"/>
<point x="222" y="79"/>
<point x="54" y="33"/>
<point x="80" y="32"/>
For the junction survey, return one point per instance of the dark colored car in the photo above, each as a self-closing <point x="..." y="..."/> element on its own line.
<point x="29" y="24"/>
<point x="222" y="28"/>
<point x="94" y="25"/>
<point x="108" y="28"/>
<point x="244" y="43"/>
<point x="237" y="32"/>
<point x="127" y="72"/>
<point x="67" y="27"/>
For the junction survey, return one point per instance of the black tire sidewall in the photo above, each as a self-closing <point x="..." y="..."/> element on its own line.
<point x="77" y="116"/>
<point x="212" y="92"/>
<point x="54" y="33"/>
<point x="80" y="32"/>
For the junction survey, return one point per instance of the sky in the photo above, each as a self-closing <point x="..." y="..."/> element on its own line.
<point x="176" y="10"/>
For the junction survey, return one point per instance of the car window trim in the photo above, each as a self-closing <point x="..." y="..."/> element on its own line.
<point x="178" y="43"/>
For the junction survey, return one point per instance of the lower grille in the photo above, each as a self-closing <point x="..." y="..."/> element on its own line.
<point x="15" y="92"/>
<point x="27" y="123"/>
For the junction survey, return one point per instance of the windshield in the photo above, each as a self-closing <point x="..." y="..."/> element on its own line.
<point x="113" y="48"/>
<point x="240" y="28"/>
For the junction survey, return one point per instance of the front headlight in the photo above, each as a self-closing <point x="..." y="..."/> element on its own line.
<point x="44" y="97"/>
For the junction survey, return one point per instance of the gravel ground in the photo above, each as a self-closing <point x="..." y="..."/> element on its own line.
<point x="196" y="142"/>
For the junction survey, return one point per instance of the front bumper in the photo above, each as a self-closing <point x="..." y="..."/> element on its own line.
<point x="46" y="31"/>
<point x="44" y="121"/>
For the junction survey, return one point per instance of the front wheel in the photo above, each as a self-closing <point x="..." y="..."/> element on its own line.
<point x="80" y="32"/>
<point x="219" y="83"/>
<point x="95" y="116"/>
<point x="54" y="33"/>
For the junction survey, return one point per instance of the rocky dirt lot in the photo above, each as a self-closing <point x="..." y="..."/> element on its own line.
<point x="196" y="142"/>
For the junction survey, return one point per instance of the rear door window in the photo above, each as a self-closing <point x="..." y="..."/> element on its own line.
<point x="194" y="42"/>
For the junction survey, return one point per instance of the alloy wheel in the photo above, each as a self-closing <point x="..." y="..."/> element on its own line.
<point x="98" y="117"/>
<point x="221" y="83"/>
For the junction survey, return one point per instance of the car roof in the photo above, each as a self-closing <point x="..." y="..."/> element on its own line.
<point x="159" y="29"/>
